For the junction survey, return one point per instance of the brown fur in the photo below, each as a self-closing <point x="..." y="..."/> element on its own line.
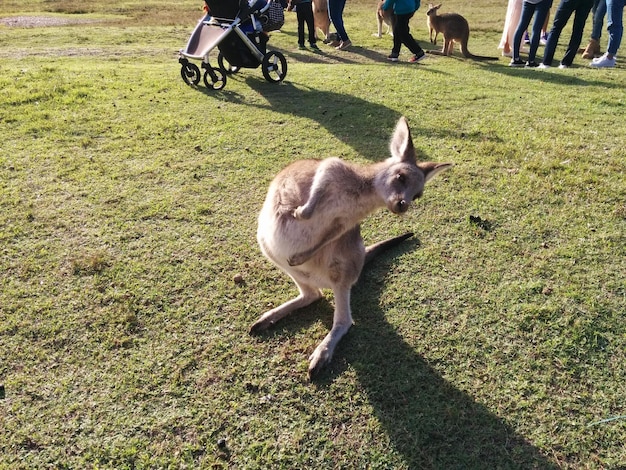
<point x="309" y="226"/>
<point x="454" y="28"/>
<point x="387" y="17"/>
<point x="320" y="16"/>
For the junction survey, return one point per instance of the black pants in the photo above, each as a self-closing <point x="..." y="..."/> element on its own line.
<point x="304" y="13"/>
<point x="402" y="35"/>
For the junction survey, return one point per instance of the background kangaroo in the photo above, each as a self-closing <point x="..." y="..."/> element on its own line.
<point x="388" y="17"/>
<point x="454" y="28"/>
<point x="309" y="226"/>
<point x="321" y="18"/>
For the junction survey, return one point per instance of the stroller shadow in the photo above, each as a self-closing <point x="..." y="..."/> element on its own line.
<point x="429" y="421"/>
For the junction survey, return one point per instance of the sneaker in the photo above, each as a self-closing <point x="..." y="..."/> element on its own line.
<point x="343" y="45"/>
<point x="393" y="57"/>
<point x="334" y="43"/>
<point x="563" y="66"/>
<point x="417" y="58"/>
<point x="532" y="64"/>
<point x="507" y="54"/>
<point x="543" y="66"/>
<point x="517" y="63"/>
<point x="603" y="61"/>
<point x="301" y="47"/>
<point x="314" y="46"/>
<point x="526" y="38"/>
<point x="543" y="40"/>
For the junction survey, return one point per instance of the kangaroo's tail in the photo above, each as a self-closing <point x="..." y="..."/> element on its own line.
<point x="469" y="55"/>
<point x="373" y="250"/>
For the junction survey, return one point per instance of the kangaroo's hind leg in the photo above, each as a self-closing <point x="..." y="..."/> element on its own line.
<point x="308" y="295"/>
<point x="342" y="321"/>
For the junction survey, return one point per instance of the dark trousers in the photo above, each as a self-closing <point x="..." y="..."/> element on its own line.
<point x="402" y="35"/>
<point x="540" y="10"/>
<point x="580" y="9"/>
<point x="304" y="13"/>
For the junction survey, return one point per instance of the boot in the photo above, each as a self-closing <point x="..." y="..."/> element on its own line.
<point x="592" y="50"/>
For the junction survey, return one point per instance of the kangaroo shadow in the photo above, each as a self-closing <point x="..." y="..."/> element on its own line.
<point x="430" y="422"/>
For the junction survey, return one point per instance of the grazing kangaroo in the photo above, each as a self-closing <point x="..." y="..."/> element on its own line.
<point x="309" y="227"/>
<point x="384" y="16"/>
<point x="454" y="28"/>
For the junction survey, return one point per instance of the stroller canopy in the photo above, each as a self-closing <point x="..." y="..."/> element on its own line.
<point x="230" y="9"/>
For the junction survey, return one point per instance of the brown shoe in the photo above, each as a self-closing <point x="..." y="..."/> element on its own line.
<point x="334" y="43"/>
<point x="344" y="45"/>
<point x="592" y="50"/>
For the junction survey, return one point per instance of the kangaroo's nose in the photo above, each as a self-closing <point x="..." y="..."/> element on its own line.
<point x="402" y="206"/>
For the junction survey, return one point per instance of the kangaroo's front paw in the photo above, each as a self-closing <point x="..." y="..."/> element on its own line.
<point x="302" y="213"/>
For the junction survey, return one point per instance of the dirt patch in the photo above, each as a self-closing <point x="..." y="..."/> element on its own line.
<point x="41" y="21"/>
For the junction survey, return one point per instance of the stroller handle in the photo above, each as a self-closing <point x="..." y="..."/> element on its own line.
<point x="256" y="6"/>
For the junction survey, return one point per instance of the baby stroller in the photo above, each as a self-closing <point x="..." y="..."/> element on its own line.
<point x="239" y="30"/>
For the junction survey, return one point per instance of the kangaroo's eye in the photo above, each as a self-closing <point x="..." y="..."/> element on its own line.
<point x="401" y="178"/>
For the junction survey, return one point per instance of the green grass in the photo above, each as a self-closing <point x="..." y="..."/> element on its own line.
<point x="128" y="205"/>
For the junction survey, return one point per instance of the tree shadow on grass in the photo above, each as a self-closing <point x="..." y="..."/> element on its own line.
<point x="364" y="125"/>
<point x="430" y="422"/>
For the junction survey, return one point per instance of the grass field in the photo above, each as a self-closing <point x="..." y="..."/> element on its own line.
<point x="495" y="339"/>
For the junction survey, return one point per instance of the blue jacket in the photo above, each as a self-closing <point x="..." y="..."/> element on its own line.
<point x="402" y="7"/>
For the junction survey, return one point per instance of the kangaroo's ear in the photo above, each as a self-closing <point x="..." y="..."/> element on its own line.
<point x="432" y="169"/>
<point x="401" y="145"/>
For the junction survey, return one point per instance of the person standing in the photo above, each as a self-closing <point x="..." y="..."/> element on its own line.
<point x="335" y="13"/>
<point x="404" y="10"/>
<point x="513" y="13"/>
<point x="304" y="14"/>
<point x="540" y="9"/>
<point x="580" y="9"/>
<point x="615" y="28"/>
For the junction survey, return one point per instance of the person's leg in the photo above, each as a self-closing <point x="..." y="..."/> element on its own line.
<point x="541" y="11"/>
<point x="580" y="18"/>
<point x="310" y="21"/>
<point x="614" y="13"/>
<point x="527" y="13"/>
<point x="400" y="32"/>
<point x="335" y="11"/>
<point x="408" y="40"/>
<point x="300" y="16"/>
<point x="561" y="17"/>
<point x="598" y="19"/>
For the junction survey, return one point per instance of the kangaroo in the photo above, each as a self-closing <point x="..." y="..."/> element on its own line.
<point x="384" y="16"/>
<point x="321" y="18"/>
<point x="309" y="227"/>
<point x="454" y="28"/>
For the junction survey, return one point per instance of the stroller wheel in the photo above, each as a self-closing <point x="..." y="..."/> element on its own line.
<point x="274" y="66"/>
<point x="225" y="65"/>
<point x="214" y="78"/>
<point x="190" y="73"/>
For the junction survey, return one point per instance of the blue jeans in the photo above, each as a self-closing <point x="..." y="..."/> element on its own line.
<point x="599" y="12"/>
<point x="335" y="13"/>
<point x="540" y="10"/>
<point x="615" y="27"/>
<point x="581" y="9"/>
